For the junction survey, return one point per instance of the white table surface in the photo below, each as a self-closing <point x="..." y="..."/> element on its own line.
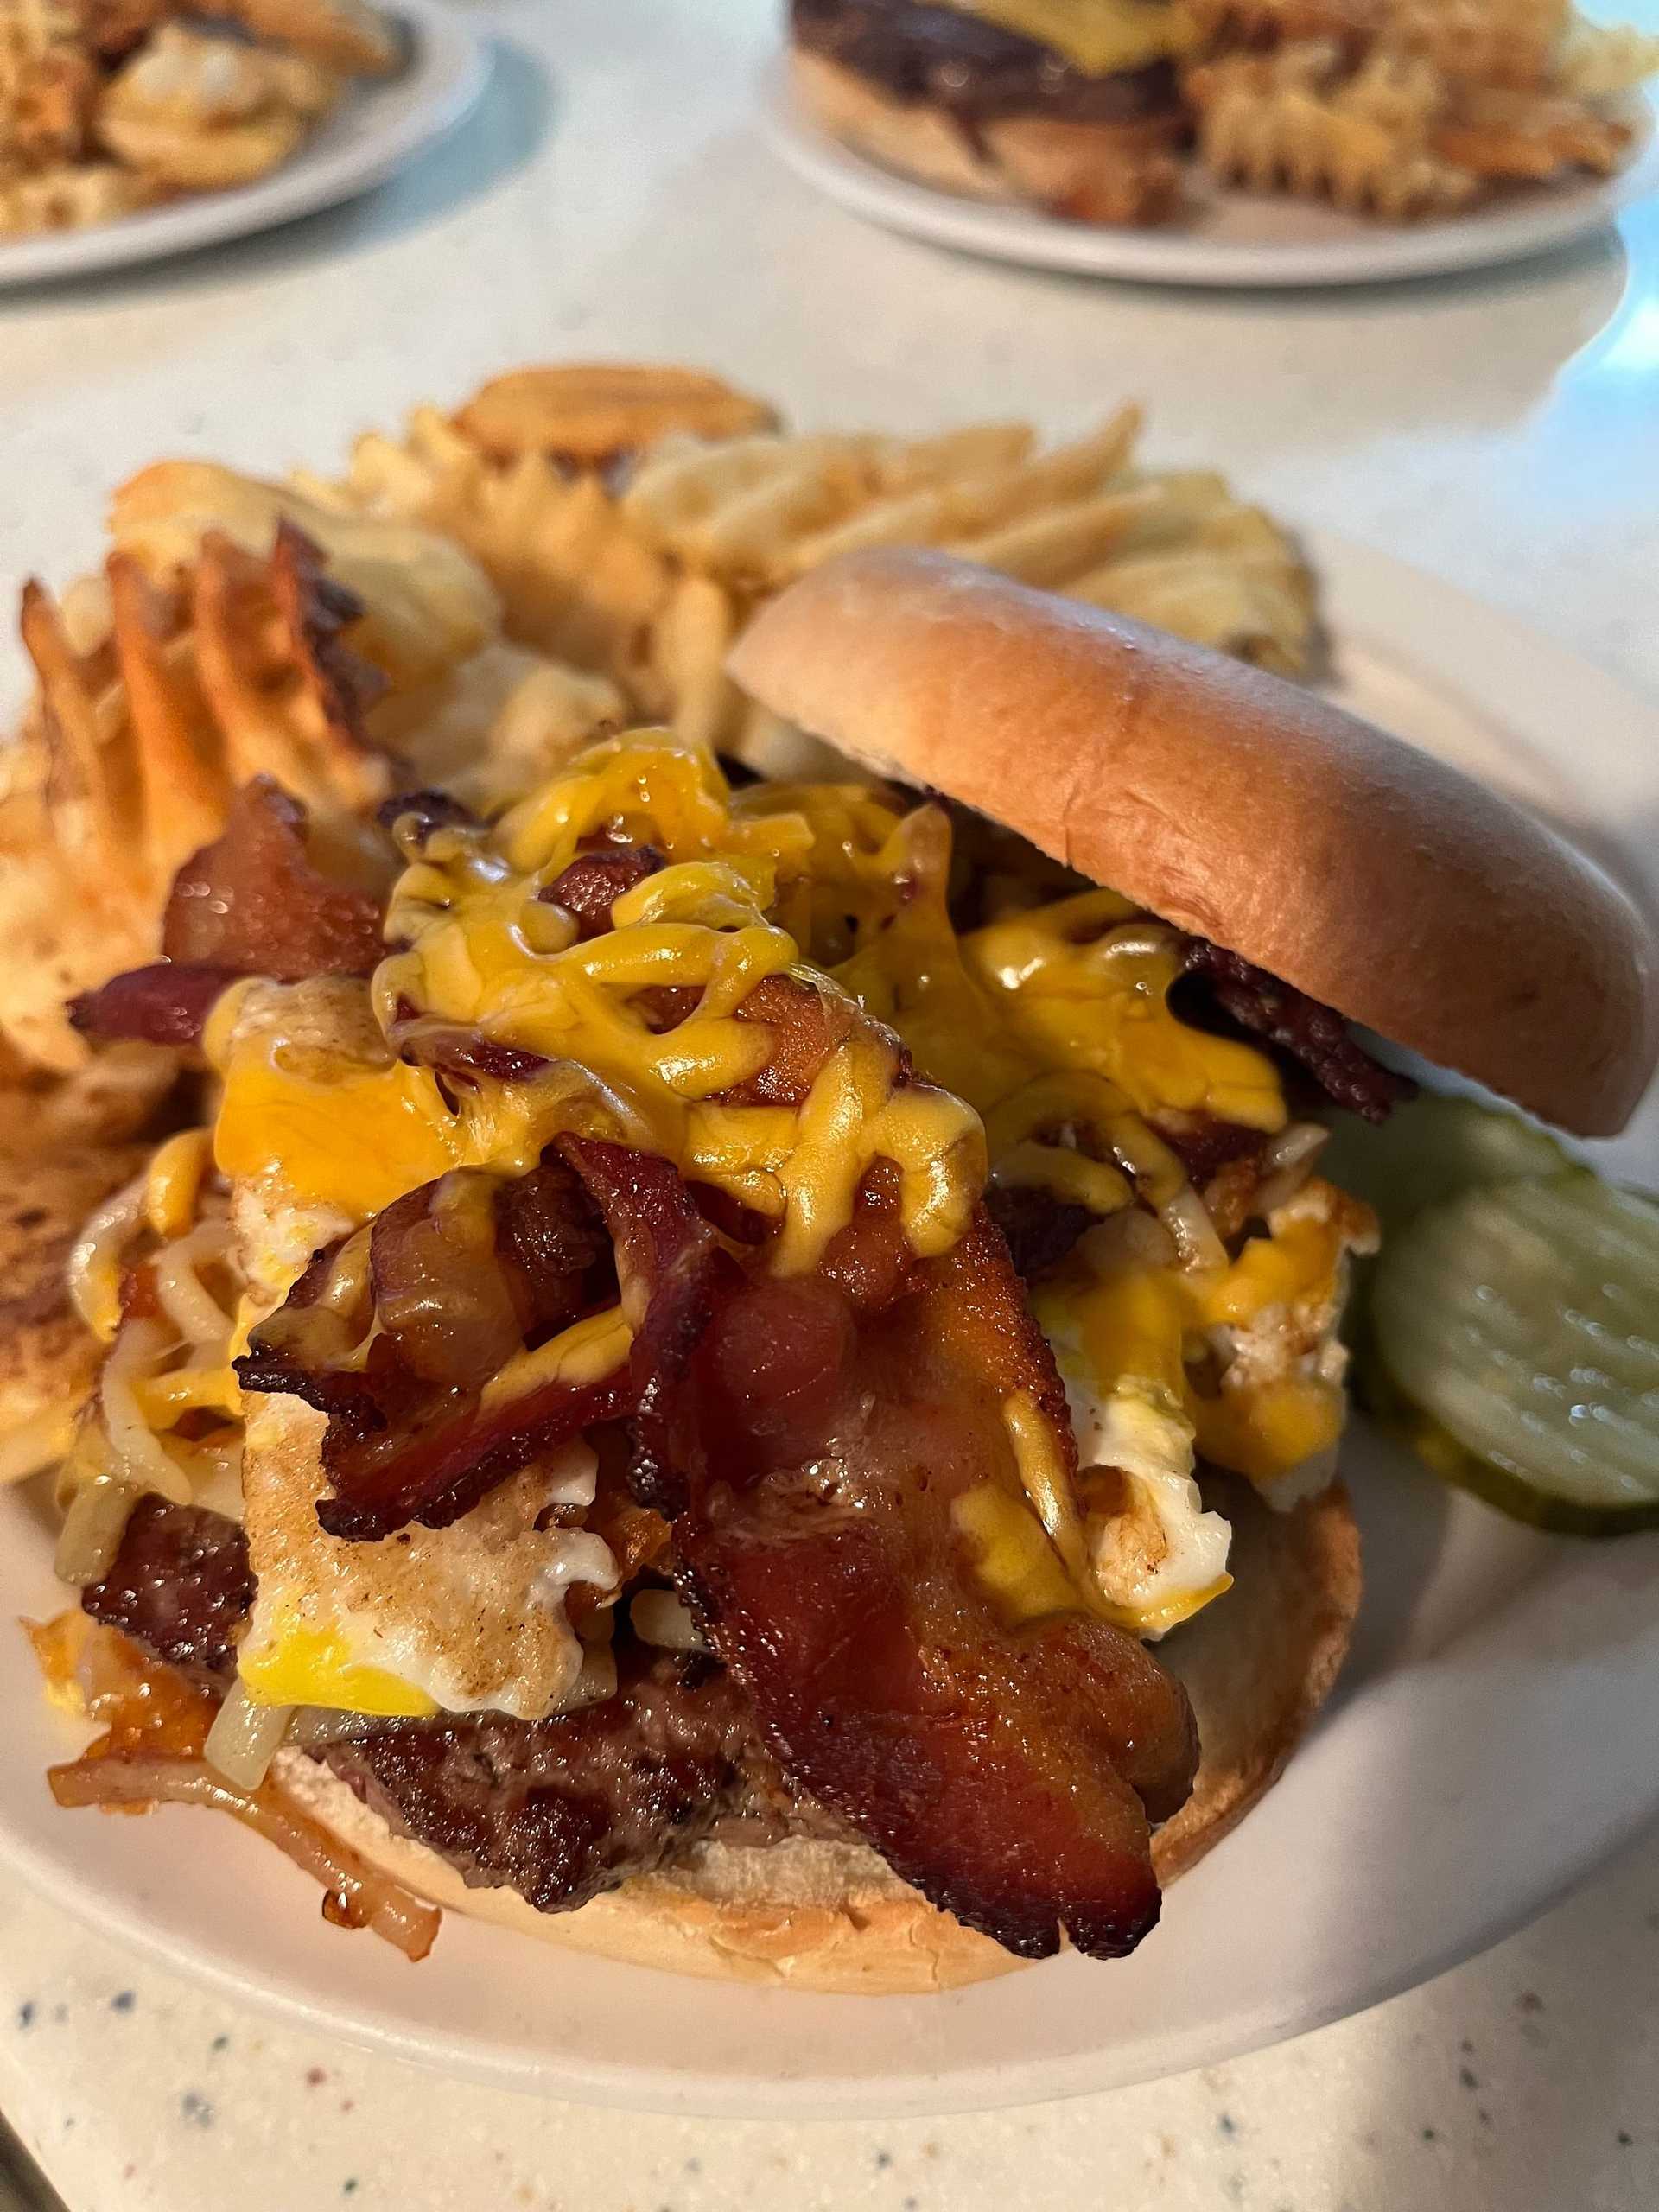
<point x="612" y="198"/>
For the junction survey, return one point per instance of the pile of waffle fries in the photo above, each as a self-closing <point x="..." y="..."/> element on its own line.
<point x="472" y="599"/>
<point x="1405" y="108"/>
<point x="107" y="106"/>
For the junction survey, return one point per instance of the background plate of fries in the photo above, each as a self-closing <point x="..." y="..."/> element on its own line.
<point x="374" y="125"/>
<point x="1227" y="236"/>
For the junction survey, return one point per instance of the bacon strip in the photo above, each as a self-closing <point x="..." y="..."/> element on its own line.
<point x="463" y="1272"/>
<point x="1314" y="1035"/>
<point x="167" y="1003"/>
<point x="256" y="900"/>
<point x="809" y="1446"/>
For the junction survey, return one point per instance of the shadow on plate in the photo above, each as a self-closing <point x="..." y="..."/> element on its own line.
<point x="511" y="120"/>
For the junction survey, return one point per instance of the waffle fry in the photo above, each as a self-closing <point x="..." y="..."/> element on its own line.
<point x="344" y="35"/>
<point x="590" y="413"/>
<point x="107" y="105"/>
<point x="1603" y="62"/>
<point x="1527" y="136"/>
<point x="576" y="582"/>
<point x="47" y="98"/>
<point x="201" y="113"/>
<point x="428" y="605"/>
<point x="505" y="718"/>
<point x="72" y="197"/>
<point x="1511" y="43"/>
<point x="1293" y="122"/>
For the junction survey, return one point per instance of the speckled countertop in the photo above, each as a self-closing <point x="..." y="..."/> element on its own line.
<point x="1523" y="2082"/>
<point x="610" y="198"/>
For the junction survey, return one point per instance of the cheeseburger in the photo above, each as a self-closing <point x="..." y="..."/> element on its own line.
<point x="1072" y="105"/>
<point x="744" y="1375"/>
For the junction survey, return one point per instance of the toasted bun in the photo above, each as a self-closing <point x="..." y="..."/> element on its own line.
<point x="1363" y="872"/>
<point x="1257" y="1665"/>
<point x="1094" y="172"/>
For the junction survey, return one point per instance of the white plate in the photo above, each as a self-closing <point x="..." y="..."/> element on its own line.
<point x="1495" y="1737"/>
<point x="378" y="126"/>
<point x="1232" y="239"/>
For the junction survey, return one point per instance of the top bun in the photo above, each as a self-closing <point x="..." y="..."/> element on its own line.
<point x="1364" y="873"/>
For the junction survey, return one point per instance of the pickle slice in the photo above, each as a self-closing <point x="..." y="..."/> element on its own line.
<point x="1517" y="1327"/>
<point x="1429" y="1151"/>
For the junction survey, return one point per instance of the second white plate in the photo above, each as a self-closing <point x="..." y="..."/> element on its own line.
<point x="1232" y="240"/>
<point x="378" y="127"/>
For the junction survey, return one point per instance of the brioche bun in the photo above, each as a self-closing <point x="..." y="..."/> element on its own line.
<point x="833" y="1917"/>
<point x="1094" y="172"/>
<point x="1347" y="863"/>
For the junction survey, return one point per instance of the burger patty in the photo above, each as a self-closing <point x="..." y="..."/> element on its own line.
<point x="557" y="1809"/>
<point x="180" y="1585"/>
<point x="563" y="1809"/>
<point x="977" y="72"/>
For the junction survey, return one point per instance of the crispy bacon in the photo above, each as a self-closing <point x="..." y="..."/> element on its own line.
<point x="596" y="879"/>
<point x="1315" y="1036"/>
<point x="812" y="1449"/>
<point x="256" y="901"/>
<point x="463" y="1272"/>
<point x="167" y="1003"/>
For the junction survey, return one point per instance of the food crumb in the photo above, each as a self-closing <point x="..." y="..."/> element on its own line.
<point x="348" y="2187"/>
<point x="196" y="2108"/>
<point x="26" y="2014"/>
<point x="1624" y="2138"/>
<point x="1467" y="2047"/>
<point x="883" y="2160"/>
<point x="314" y="2077"/>
<point x="220" y="2043"/>
<point x="1227" y="2125"/>
<point x="1466" y="2075"/>
<point x="694" y="2165"/>
<point x="1529" y="2001"/>
<point x="123" y="2001"/>
<point x="1429" y="2134"/>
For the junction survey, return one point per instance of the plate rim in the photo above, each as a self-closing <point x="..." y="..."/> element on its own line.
<point x="1026" y="238"/>
<point x="443" y="82"/>
<point x="1368" y="593"/>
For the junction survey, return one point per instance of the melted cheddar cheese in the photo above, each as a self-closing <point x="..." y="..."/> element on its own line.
<point x="1050" y="1029"/>
<point x="1098" y="37"/>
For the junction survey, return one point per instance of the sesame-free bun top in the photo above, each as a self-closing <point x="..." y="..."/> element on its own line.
<point x="1241" y="808"/>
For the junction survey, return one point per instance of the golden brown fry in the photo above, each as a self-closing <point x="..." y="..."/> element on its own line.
<point x="590" y="413"/>
<point x="72" y="197"/>
<point x="285" y="695"/>
<point x="1296" y="121"/>
<point x="179" y="758"/>
<point x="690" y="641"/>
<point x="346" y="34"/>
<point x="1527" y="136"/>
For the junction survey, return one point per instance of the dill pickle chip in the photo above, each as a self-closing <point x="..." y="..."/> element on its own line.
<point x="1517" y="1327"/>
<point x="1429" y="1150"/>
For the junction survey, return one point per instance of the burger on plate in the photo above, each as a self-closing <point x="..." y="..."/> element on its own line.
<point x="1072" y="104"/>
<point x="745" y="1375"/>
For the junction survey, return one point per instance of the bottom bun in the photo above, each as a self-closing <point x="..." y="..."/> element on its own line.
<point x="832" y="1917"/>
<point x="1092" y="172"/>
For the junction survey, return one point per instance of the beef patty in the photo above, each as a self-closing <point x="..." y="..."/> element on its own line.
<point x="558" y="1809"/>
